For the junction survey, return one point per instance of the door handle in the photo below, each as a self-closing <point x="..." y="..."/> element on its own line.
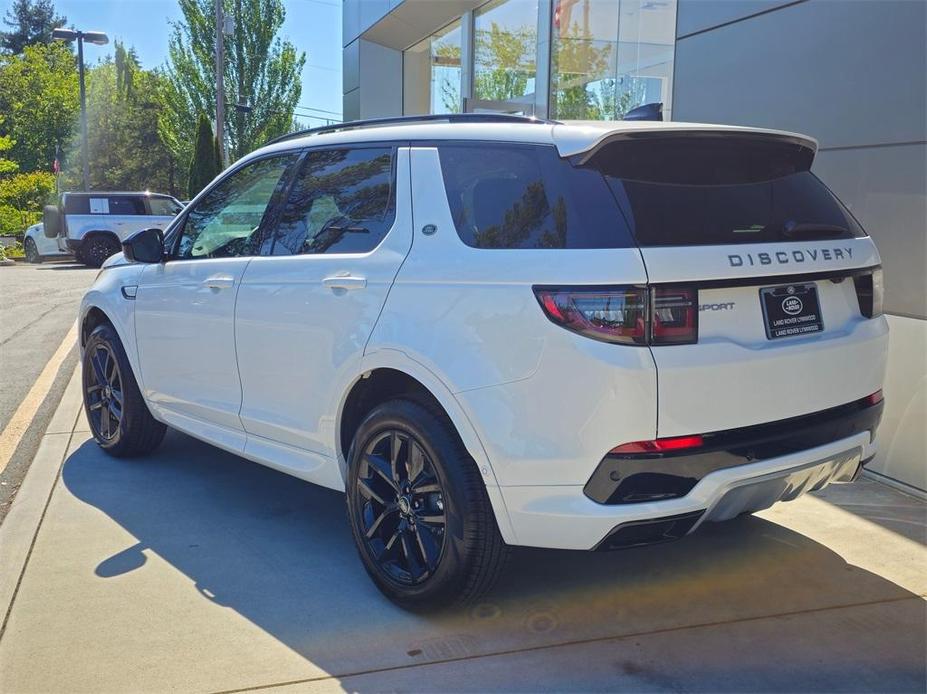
<point x="219" y="282"/>
<point x="345" y="282"/>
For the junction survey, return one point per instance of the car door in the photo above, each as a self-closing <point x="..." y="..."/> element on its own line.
<point x="309" y="301"/>
<point x="184" y="315"/>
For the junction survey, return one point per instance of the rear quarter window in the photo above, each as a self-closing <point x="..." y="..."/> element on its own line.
<point x="507" y="196"/>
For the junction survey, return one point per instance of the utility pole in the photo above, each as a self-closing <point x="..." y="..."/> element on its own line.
<point x="220" y="86"/>
<point x="100" y="39"/>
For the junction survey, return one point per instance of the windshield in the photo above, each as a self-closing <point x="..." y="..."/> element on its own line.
<point x="164" y="207"/>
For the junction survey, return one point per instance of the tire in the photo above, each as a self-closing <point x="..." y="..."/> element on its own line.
<point x="31" y="252"/>
<point x="119" y="419"/>
<point x="418" y="509"/>
<point x="96" y="249"/>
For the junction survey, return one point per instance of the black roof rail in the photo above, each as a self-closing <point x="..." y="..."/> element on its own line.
<point x="408" y="120"/>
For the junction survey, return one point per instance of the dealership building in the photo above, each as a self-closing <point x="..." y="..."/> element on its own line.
<point x="850" y="73"/>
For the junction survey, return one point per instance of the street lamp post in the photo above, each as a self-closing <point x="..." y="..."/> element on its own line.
<point x="100" y="39"/>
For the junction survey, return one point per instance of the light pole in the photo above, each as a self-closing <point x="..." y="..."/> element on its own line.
<point x="100" y="39"/>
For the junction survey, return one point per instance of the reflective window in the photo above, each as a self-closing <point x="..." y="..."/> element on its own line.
<point x="227" y="221"/>
<point x="431" y="73"/>
<point x="341" y="202"/>
<point x="526" y="196"/>
<point x="609" y="56"/>
<point x="164" y="207"/>
<point x="505" y="51"/>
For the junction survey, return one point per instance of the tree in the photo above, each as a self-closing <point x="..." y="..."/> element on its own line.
<point x="260" y="67"/>
<point x="205" y="164"/>
<point x="126" y="151"/>
<point x="21" y="199"/>
<point x="39" y="99"/>
<point x="31" y="21"/>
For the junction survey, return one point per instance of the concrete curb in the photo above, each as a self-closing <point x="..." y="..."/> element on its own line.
<point x="21" y="525"/>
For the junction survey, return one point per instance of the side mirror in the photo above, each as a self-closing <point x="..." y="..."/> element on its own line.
<point x="51" y="221"/>
<point x="145" y="246"/>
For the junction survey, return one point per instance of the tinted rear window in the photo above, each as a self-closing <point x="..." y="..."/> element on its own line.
<point x="707" y="191"/>
<point x="526" y="196"/>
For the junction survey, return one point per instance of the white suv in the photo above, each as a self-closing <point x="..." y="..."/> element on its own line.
<point x="495" y="331"/>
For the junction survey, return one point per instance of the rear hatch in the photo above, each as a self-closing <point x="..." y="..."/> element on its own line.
<point x="783" y="283"/>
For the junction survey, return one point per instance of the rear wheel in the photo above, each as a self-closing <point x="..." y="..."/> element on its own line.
<point x="31" y="252"/>
<point x="418" y="508"/>
<point x="96" y="249"/>
<point x="119" y="418"/>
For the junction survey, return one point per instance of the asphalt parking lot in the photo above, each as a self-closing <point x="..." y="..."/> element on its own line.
<point x="194" y="570"/>
<point x="38" y="306"/>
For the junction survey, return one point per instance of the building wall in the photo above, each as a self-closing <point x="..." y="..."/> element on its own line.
<point x="850" y="74"/>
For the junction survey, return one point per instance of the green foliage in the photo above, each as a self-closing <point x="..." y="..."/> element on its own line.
<point x="7" y="166"/>
<point x="30" y="21"/>
<point x="126" y="151"/>
<point x="504" y="62"/>
<point x="13" y="251"/>
<point x="22" y="197"/>
<point x="39" y="100"/>
<point x="205" y="164"/>
<point x="259" y="67"/>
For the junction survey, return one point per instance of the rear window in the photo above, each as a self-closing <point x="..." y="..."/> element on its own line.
<point x="715" y="191"/>
<point x="526" y="196"/>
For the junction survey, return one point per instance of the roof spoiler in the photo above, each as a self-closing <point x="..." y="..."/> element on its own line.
<point x="646" y="112"/>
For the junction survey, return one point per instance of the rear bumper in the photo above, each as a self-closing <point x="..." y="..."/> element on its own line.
<point x="565" y="518"/>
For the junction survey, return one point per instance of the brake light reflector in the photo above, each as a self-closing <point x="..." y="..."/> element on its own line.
<point x="875" y="398"/>
<point x="675" y="443"/>
<point x="611" y="314"/>
<point x="675" y="315"/>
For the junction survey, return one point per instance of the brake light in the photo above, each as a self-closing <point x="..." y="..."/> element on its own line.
<point x="675" y="315"/>
<point x="610" y="314"/>
<point x="869" y="292"/>
<point x="658" y="315"/>
<point x="676" y="443"/>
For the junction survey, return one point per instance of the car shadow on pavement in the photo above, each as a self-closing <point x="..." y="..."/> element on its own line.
<point x="279" y="552"/>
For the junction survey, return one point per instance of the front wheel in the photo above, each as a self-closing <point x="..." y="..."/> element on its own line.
<point x="119" y="418"/>
<point x="31" y="251"/>
<point x="419" y="512"/>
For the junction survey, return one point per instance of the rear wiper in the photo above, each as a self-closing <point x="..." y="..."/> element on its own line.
<point x="805" y="229"/>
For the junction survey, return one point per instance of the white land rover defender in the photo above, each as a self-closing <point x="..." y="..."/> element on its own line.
<point x="93" y="226"/>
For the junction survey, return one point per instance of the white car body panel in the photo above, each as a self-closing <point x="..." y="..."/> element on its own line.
<point x="262" y="366"/>
<point x="46" y="247"/>
<point x="122" y="226"/>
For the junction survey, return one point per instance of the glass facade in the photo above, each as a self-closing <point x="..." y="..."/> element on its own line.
<point x="595" y="59"/>
<point x="431" y="73"/>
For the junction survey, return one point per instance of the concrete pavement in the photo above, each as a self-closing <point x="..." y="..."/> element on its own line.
<point x="194" y="570"/>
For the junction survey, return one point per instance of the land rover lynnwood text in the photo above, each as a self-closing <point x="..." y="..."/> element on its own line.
<point x="492" y="330"/>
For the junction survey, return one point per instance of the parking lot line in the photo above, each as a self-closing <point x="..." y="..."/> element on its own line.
<point x="22" y="418"/>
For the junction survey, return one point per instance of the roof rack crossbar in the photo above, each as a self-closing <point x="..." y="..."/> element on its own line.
<point x="408" y="120"/>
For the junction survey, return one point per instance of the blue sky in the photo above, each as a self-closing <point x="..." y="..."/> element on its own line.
<point x="313" y="26"/>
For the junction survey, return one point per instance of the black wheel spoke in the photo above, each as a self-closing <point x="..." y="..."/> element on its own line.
<point x="395" y="445"/>
<point x="426" y="486"/>
<point x="428" y="544"/>
<point x="98" y="369"/>
<point x="382" y="468"/>
<point x="117" y="396"/>
<point x="410" y="553"/>
<point x="387" y="512"/>
<point x="432" y="517"/>
<point x="96" y="406"/>
<point x="416" y="464"/>
<point x="367" y="490"/>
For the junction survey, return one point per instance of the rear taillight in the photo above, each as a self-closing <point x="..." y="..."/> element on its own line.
<point x="675" y="315"/>
<point x="676" y="443"/>
<point x="869" y="291"/>
<point x="659" y="315"/>
<point x="874" y="398"/>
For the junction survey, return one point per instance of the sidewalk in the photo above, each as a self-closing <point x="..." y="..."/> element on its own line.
<point x="194" y="570"/>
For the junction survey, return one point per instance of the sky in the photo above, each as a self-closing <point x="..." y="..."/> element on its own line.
<point x="313" y="26"/>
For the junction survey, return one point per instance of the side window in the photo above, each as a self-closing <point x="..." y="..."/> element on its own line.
<point x="227" y="221"/>
<point x="76" y="204"/>
<point x="342" y="201"/>
<point x="125" y="205"/>
<point x="526" y="196"/>
<point x="164" y="207"/>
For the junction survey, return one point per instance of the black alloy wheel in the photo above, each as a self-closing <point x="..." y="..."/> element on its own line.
<point x="418" y="507"/>
<point x="97" y="249"/>
<point x="402" y="507"/>
<point x="119" y="418"/>
<point x="104" y="393"/>
<point x="31" y="252"/>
